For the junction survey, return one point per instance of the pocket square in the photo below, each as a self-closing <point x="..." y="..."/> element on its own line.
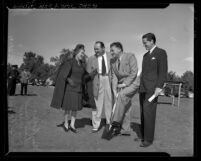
<point x="153" y="58"/>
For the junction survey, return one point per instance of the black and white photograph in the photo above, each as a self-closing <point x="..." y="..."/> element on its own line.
<point x="101" y="80"/>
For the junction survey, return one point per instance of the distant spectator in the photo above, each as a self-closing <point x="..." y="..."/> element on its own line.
<point x="12" y="79"/>
<point x="24" y="77"/>
<point x="49" y="82"/>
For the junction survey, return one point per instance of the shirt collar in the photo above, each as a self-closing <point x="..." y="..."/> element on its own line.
<point x="150" y="51"/>
<point x="120" y="57"/>
<point x="102" y="55"/>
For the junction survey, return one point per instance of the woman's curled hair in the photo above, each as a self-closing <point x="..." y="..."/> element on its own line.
<point x="77" y="49"/>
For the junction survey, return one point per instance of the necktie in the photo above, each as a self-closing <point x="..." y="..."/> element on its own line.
<point x="103" y="66"/>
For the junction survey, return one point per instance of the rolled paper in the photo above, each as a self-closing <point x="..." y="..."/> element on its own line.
<point x="152" y="97"/>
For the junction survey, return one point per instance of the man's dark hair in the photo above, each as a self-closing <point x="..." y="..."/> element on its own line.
<point x="101" y="44"/>
<point x="149" y="36"/>
<point x="117" y="44"/>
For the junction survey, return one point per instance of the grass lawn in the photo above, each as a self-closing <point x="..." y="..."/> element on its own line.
<point x="33" y="127"/>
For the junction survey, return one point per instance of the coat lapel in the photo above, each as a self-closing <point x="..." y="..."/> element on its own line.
<point x="114" y="66"/>
<point x="154" y="51"/>
<point x="122" y="61"/>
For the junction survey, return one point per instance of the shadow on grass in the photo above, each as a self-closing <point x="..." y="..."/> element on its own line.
<point x="10" y="111"/>
<point x="166" y="103"/>
<point x="80" y="123"/>
<point x="136" y="128"/>
<point x="32" y="94"/>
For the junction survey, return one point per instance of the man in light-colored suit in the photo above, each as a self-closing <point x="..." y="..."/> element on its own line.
<point x="24" y="77"/>
<point x="101" y="84"/>
<point x="126" y="83"/>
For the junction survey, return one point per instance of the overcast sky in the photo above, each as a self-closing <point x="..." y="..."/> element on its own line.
<point x="47" y="31"/>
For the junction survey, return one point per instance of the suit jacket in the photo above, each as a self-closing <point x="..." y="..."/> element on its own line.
<point x="127" y="72"/>
<point x="24" y="77"/>
<point x="92" y="64"/>
<point x="13" y="74"/>
<point x="154" y="70"/>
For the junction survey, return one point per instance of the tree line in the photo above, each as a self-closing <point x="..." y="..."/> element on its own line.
<point x="38" y="68"/>
<point x="187" y="80"/>
<point x="42" y="71"/>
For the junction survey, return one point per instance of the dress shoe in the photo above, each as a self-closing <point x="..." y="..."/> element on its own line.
<point x="94" y="130"/>
<point x="112" y="132"/>
<point x="63" y="126"/>
<point x="60" y="125"/>
<point x="145" y="144"/>
<point x="115" y="131"/>
<point x="72" y="129"/>
<point x="116" y="128"/>
<point x="138" y="139"/>
<point x="125" y="133"/>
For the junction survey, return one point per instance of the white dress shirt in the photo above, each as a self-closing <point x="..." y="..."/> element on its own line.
<point x="100" y="63"/>
<point x="152" y="49"/>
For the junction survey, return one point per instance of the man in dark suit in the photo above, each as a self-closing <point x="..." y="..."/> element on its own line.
<point x="12" y="80"/>
<point x="153" y="76"/>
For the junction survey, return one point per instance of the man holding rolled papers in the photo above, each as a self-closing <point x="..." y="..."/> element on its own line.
<point x="153" y="76"/>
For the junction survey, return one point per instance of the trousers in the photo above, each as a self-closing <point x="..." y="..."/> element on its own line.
<point x="103" y="102"/>
<point x="148" y="116"/>
<point x="24" y="88"/>
<point x="123" y="105"/>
